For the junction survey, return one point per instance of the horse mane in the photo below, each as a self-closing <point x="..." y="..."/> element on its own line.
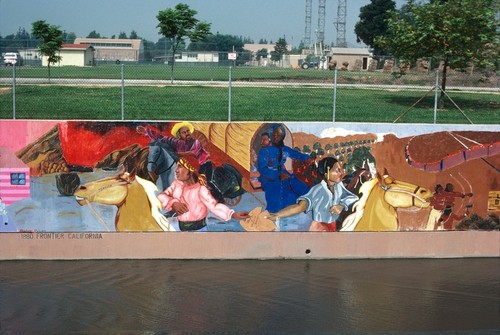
<point x="365" y="189"/>
<point x="171" y="151"/>
<point x="150" y="189"/>
<point x="359" y="207"/>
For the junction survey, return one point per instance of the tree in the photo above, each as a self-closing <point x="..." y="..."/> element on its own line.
<point x="218" y="42"/>
<point x="180" y="23"/>
<point x="262" y="53"/>
<point x="122" y="35"/>
<point x="359" y="157"/>
<point x="133" y="35"/>
<point x="328" y="147"/>
<point x="373" y="23"/>
<point x="280" y="49"/>
<point x="453" y="32"/>
<point x="52" y="39"/>
<point x="69" y="37"/>
<point x="94" y="34"/>
<point x="316" y="146"/>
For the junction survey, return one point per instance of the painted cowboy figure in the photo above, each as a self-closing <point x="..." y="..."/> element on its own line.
<point x="184" y="143"/>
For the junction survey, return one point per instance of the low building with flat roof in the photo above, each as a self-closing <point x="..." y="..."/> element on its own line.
<point x="350" y="58"/>
<point x="111" y="49"/>
<point x="74" y="55"/>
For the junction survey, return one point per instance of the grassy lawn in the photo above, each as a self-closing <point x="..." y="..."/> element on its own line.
<point x="202" y="103"/>
<point x="240" y="73"/>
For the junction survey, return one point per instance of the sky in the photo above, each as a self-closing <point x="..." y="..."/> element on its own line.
<point x="256" y="19"/>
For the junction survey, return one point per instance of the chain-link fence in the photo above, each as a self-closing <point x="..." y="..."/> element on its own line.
<point x="158" y="91"/>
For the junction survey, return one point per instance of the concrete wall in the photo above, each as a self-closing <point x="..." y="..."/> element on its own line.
<point x="248" y="245"/>
<point x="91" y="194"/>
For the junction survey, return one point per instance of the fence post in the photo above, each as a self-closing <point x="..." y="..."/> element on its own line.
<point x="230" y="95"/>
<point x="436" y="90"/>
<point x="14" y="91"/>
<point x="334" y="94"/>
<point x="123" y="92"/>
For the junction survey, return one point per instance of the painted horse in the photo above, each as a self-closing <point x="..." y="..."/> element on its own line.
<point x="381" y="196"/>
<point x="162" y="160"/>
<point x="138" y="207"/>
<point x="353" y="182"/>
<point x="355" y="179"/>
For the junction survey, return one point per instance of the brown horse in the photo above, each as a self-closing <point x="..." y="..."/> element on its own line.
<point x="138" y="207"/>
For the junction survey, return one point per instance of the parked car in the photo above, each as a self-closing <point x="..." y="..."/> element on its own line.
<point x="12" y="58"/>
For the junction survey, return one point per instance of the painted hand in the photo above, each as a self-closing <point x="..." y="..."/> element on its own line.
<point x="180" y="208"/>
<point x="240" y="215"/>
<point x="141" y="130"/>
<point x="336" y="209"/>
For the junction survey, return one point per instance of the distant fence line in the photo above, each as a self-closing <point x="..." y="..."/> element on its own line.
<point x="344" y="87"/>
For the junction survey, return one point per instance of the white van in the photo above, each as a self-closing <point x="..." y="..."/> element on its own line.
<point x="12" y="58"/>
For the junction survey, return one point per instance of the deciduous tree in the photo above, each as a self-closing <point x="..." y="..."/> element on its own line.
<point x="455" y="33"/>
<point x="372" y="23"/>
<point x="52" y="40"/>
<point x="179" y="23"/>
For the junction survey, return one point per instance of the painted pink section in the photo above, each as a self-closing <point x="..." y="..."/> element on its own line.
<point x="249" y="245"/>
<point x="11" y="193"/>
<point x="17" y="190"/>
<point x="16" y="134"/>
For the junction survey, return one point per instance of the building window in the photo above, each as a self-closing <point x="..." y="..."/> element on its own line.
<point x="18" y="179"/>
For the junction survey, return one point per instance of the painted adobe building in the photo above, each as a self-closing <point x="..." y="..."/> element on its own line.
<point x="14" y="177"/>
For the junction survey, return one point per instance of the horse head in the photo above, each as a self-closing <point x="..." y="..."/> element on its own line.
<point x="376" y="209"/>
<point x="108" y="191"/>
<point x="403" y="194"/>
<point x="138" y="207"/>
<point x="161" y="163"/>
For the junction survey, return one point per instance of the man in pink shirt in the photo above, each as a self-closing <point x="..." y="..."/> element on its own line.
<point x="185" y="144"/>
<point x="191" y="200"/>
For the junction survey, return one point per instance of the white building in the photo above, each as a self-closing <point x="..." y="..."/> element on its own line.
<point x="353" y="59"/>
<point x="74" y="55"/>
<point x="197" y="57"/>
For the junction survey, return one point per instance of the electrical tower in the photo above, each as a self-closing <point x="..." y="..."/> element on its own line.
<point x="307" y="33"/>
<point x="321" y="23"/>
<point x="340" y="24"/>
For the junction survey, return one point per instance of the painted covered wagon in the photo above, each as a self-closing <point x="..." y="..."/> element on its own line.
<point x="241" y="143"/>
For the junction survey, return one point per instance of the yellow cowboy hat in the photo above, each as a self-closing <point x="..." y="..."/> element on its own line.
<point x="179" y="125"/>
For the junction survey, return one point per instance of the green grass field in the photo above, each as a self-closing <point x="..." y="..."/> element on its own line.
<point x="211" y="103"/>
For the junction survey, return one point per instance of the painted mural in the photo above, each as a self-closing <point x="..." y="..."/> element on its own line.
<point x="89" y="176"/>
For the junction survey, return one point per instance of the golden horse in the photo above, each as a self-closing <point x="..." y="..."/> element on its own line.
<point x="376" y="209"/>
<point x="138" y="207"/>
